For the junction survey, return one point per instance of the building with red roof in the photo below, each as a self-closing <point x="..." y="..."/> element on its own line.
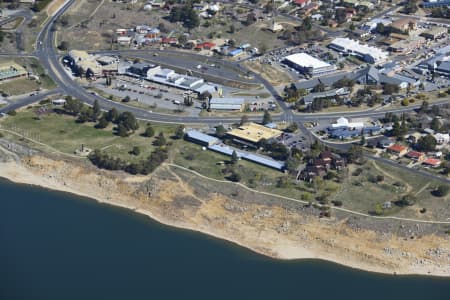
<point x="432" y="162"/>
<point x="205" y="45"/>
<point x="397" y="149"/>
<point x="415" y="155"/>
<point x="302" y="3"/>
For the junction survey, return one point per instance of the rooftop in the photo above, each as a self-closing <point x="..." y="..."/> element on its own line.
<point x="254" y="132"/>
<point x="397" y="148"/>
<point x="236" y="101"/>
<point x="306" y="60"/>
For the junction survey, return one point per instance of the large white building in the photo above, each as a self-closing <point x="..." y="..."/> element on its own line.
<point x="365" y="52"/>
<point x="308" y="65"/>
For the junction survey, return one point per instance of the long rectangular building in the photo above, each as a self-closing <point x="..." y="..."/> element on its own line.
<point x="308" y="64"/>
<point x="365" y="52"/>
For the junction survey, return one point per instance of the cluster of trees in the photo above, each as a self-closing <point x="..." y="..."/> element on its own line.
<point x="344" y="82"/>
<point x="277" y="151"/>
<point x="185" y="14"/>
<point x="410" y="7"/>
<point x="126" y="122"/>
<point x="389" y="89"/>
<point x="399" y="129"/>
<point x="105" y="161"/>
<point x="293" y="93"/>
<point x="83" y="112"/>
<point x="302" y="34"/>
<point x="426" y="143"/>
<point x="366" y="95"/>
<point x="441" y="12"/>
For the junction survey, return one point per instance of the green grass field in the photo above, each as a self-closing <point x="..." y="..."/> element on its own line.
<point x="65" y="135"/>
<point x="19" y="86"/>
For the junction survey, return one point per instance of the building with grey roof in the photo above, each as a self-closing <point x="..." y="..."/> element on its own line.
<point x="201" y="138"/>
<point x="227" y="104"/>
<point x="444" y="68"/>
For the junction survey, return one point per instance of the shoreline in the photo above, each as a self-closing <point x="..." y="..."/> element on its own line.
<point x="285" y="250"/>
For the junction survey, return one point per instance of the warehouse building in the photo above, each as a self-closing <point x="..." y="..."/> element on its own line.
<point x="364" y="52"/>
<point x="227" y="104"/>
<point x="309" y="65"/>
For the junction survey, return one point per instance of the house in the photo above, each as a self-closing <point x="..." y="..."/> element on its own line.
<point x="404" y="24"/>
<point x="302" y="3"/>
<point x="236" y="52"/>
<point x="432" y="162"/>
<point x="397" y="149"/>
<point x="205" y="46"/>
<point x="124" y="40"/>
<point x="415" y="155"/>
<point x="169" y="41"/>
<point x="385" y="143"/>
<point x="442" y="139"/>
<point x="319" y="166"/>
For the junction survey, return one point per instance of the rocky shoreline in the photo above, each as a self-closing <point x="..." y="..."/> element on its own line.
<point x="264" y="225"/>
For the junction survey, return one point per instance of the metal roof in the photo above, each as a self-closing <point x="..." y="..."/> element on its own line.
<point x="262" y="160"/>
<point x="228" y="101"/>
<point x="199" y="136"/>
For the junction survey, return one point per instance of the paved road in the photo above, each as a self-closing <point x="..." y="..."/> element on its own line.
<point x="25" y="101"/>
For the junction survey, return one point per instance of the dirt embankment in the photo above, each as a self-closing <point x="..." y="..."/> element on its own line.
<point x="178" y="198"/>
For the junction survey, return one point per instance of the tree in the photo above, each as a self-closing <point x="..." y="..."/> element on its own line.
<point x="191" y="19"/>
<point x="352" y="27"/>
<point x="307" y="23"/>
<point x="354" y="154"/>
<point x="410" y="7"/>
<point x="149" y="131"/>
<point x="378" y="210"/>
<point x="220" y="131"/>
<point x="319" y="88"/>
<point x="73" y="106"/>
<point x="234" y="157"/>
<point x="442" y="191"/>
<point x="362" y="142"/>
<point x="380" y="28"/>
<point x="96" y="108"/>
<point x="426" y="143"/>
<point x="102" y="123"/>
<point x="435" y="124"/>
<point x="112" y="115"/>
<point x="136" y="151"/>
<point x="122" y="130"/>
<point x="179" y="132"/>
<point x="244" y="119"/>
<point x="232" y="29"/>
<point x="235" y="177"/>
<point x="267" y="118"/>
<point x="126" y="99"/>
<point x="160" y="140"/>
<point x="63" y="46"/>
<point x="389" y="89"/>
<point x="128" y="120"/>
<point x="424" y="107"/>
<point x="205" y="96"/>
<point x="251" y="18"/>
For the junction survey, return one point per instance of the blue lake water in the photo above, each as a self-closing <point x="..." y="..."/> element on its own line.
<point x="59" y="246"/>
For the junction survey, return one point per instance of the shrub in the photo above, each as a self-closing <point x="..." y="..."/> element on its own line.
<point x="12" y="113"/>
<point x="441" y="191"/>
